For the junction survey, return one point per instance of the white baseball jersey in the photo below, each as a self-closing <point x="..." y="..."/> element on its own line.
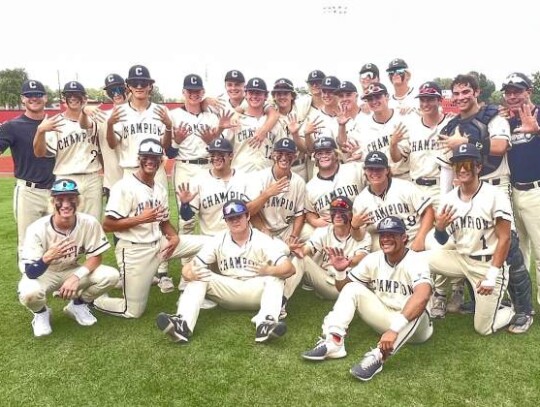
<point x="328" y="127"/>
<point x="402" y="199"/>
<point x="112" y="172"/>
<point x="393" y="285"/>
<point x="193" y="146"/>
<point x="76" y="150"/>
<point x="375" y="136"/>
<point x="348" y="181"/>
<point x="473" y="229"/>
<point x="246" y="158"/>
<point x="231" y="258"/>
<point x="425" y="148"/>
<point x="408" y="101"/>
<point x="128" y="198"/>
<point x="325" y="237"/>
<point x="136" y="127"/>
<point x="87" y="235"/>
<point x="224" y="99"/>
<point x="212" y="193"/>
<point x="280" y="210"/>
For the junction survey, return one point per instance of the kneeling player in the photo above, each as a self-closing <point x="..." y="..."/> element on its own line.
<point x="390" y="289"/>
<point x="50" y="258"/>
<point x="252" y="268"/>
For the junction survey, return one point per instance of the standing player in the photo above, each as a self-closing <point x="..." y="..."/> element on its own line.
<point x="138" y="214"/>
<point x="314" y="82"/>
<point x="251" y="269"/>
<point x="477" y="216"/>
<point x="34" y="175"/>
<point x="52" y="250"/>
<point x="390" y="290"/>
<point x="385" y="196"/>
<point x="76" y="151"/>
<point x="369" y="73"/>
<point x="524" y="118"/>
<point x="403" y="97"/>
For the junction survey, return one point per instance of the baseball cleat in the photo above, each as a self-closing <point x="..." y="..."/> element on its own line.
<point x="270" y="329"/>
<point x="456" y="300"/>
<point x="208" y="304"/>
<point x="520" y="323"/>
<point x="41" y="324"/>
<point x="369" y="366"/>
<point x="166" y="284"/>
<point x="174" y="326"/>
<point x="438" y="306"/>
<point x="80" y="313"/>
<point x="326" y="349"/>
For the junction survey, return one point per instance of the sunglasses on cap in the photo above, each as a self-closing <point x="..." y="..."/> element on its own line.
<point x="135" y="83"/>
<point x="150" y="148"/>
<point x="398" y="71"/>
<point x="339" y="205"/>
<point x="234" y="208"/>
<point x="367" y="75"/>
<point x="116" y="91"/>
<point x="429" y="92"/>
<point x="467" y="165"/>
<point x="34" y="95"/>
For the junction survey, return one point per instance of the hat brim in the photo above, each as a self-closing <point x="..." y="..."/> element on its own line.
<point x="140" y="79"/>
<point x="194" y="87"/>
<point x="256" y="90"/>
<point x="394" y="231"/>
<point x="375" y="166"/>
<point x="465" y="157"/>
<point x="364" y="97"/>
<point x="397" y="67"/>
<point x="426" y="95"/>
<point x="516" y="86"/>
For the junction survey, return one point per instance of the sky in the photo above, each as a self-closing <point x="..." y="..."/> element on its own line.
<point x="56" y="41"/>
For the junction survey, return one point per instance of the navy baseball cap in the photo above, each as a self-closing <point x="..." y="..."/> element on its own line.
<point x="139" y="72"/>
<point x="341" y="203"/>
<point x="375" y="88"/>
<point x="193" y="82"/>
<point x="220" y="145"/>
<point x="429" y="89"/>
<point x="256" y="84"/>
<point x="347" y="86"/>
<point x="330" y="83"/>
<point x="369" y="67"/>
<point x="73" y="86"/>
<point x="234" y="207"/>
<point x="391" y="224"/>
<point x="466" y="151"/>
<point x="283" y="84"/>
<point x="397" y="63"/>
<point x="286" y="145"/>
<point x="113" y="80"/>
<point x="376" y="159"/>
<point x="324" y="143"/>
<point x="64" y="186"/>
<point x="315" y="76"/>
<point x="234" y="76"/>
<point x="32" y="86"/>
<point x="150" y="146"/>
<point x="517" y="80"/>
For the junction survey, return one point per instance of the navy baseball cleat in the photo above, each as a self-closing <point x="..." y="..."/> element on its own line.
<point x="174" y="326"/>
<point x="326" y="349"/>
<point x="369" y="366"/>
<point x="270" y="329"/>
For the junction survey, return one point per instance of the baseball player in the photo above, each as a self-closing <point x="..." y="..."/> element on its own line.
<point x="387" y="196"/>
<point x="116" y="90"/>
<point x="76" y="151"/>
<point x="34" y="176"/>
<point x="314" y="82"/>
<point x="138" y="214"/>
<point x="333" y="179"/>
<point x="491" y="133"/>
<point x="390" y="290"/>
<point x="250" y="268"/>
<point x="369" y="73"/>
<point x="477" y="216"/>
<point x="314" y="261"/>
<point x="51" y="259"/>
<point x="132" y="122"/>
<point x="253" y="154"/>
<point x="524" y="119"/>
<point x="403" y="96"/>
<point x="348" y="118"/>
<point x="206" y="193"/>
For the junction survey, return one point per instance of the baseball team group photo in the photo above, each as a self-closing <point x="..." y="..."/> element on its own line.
<point x="337" y="241"/>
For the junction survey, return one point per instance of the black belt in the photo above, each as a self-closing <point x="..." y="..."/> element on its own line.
<point x="494" y="181"/>
<point x="426" y="182"/>
<point x="30" y="184"/>
<point x="154" y="242"/>
<point x="484" y="258"/>
<point x="197" y="161"/>
<point x="525" y="186"/>
<point x="299" y="162"/>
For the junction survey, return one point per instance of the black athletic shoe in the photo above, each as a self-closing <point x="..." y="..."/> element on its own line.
<point x="174" y="326"/>
<point x="270" y="329"/>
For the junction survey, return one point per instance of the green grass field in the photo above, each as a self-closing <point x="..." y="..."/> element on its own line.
<point x="130" y="362"/>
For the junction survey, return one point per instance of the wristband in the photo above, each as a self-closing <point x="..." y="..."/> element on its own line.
<point x="340" y="275"/>
<point x="398" y="323"/>
<point x="82" y="272"/>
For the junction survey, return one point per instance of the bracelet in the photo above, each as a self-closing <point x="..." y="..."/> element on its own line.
<point x="398" y="323"/>
<point x="353" y="228"/>
<point x="82" y="272"/>
<point x="168" y="129"/>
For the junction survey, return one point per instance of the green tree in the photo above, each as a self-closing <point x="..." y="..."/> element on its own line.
<point x="487" y="87"/>
<point x="11" y="81"/>
<point x="444" y="83"/>
<point x="52" y="96"/>
<point x="156" y="95"/>
<point x="496" y="98"/>
<point x="97" y="94"/>
<point x="535" y="97"/>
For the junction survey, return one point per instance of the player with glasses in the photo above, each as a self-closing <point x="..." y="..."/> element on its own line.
<point x="403" y="97"/>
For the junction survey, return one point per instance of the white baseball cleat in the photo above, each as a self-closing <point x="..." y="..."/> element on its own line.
<point x="41" y="324"/>
<point x="208" y="304"/>
<point x="438" y="306"/>
<point x="80" y="313"/>
<point x="166" y="284"/>
<point x="327" y="348"/>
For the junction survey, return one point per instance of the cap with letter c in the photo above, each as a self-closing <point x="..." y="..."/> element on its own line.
<point x="113" y="80"/>
<point x="193" y="82"/>
<point x="32" y="86"/>
<point x="220" y="145"/>
<point x="466" y="151"/>
<point x="234" y="76"/>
